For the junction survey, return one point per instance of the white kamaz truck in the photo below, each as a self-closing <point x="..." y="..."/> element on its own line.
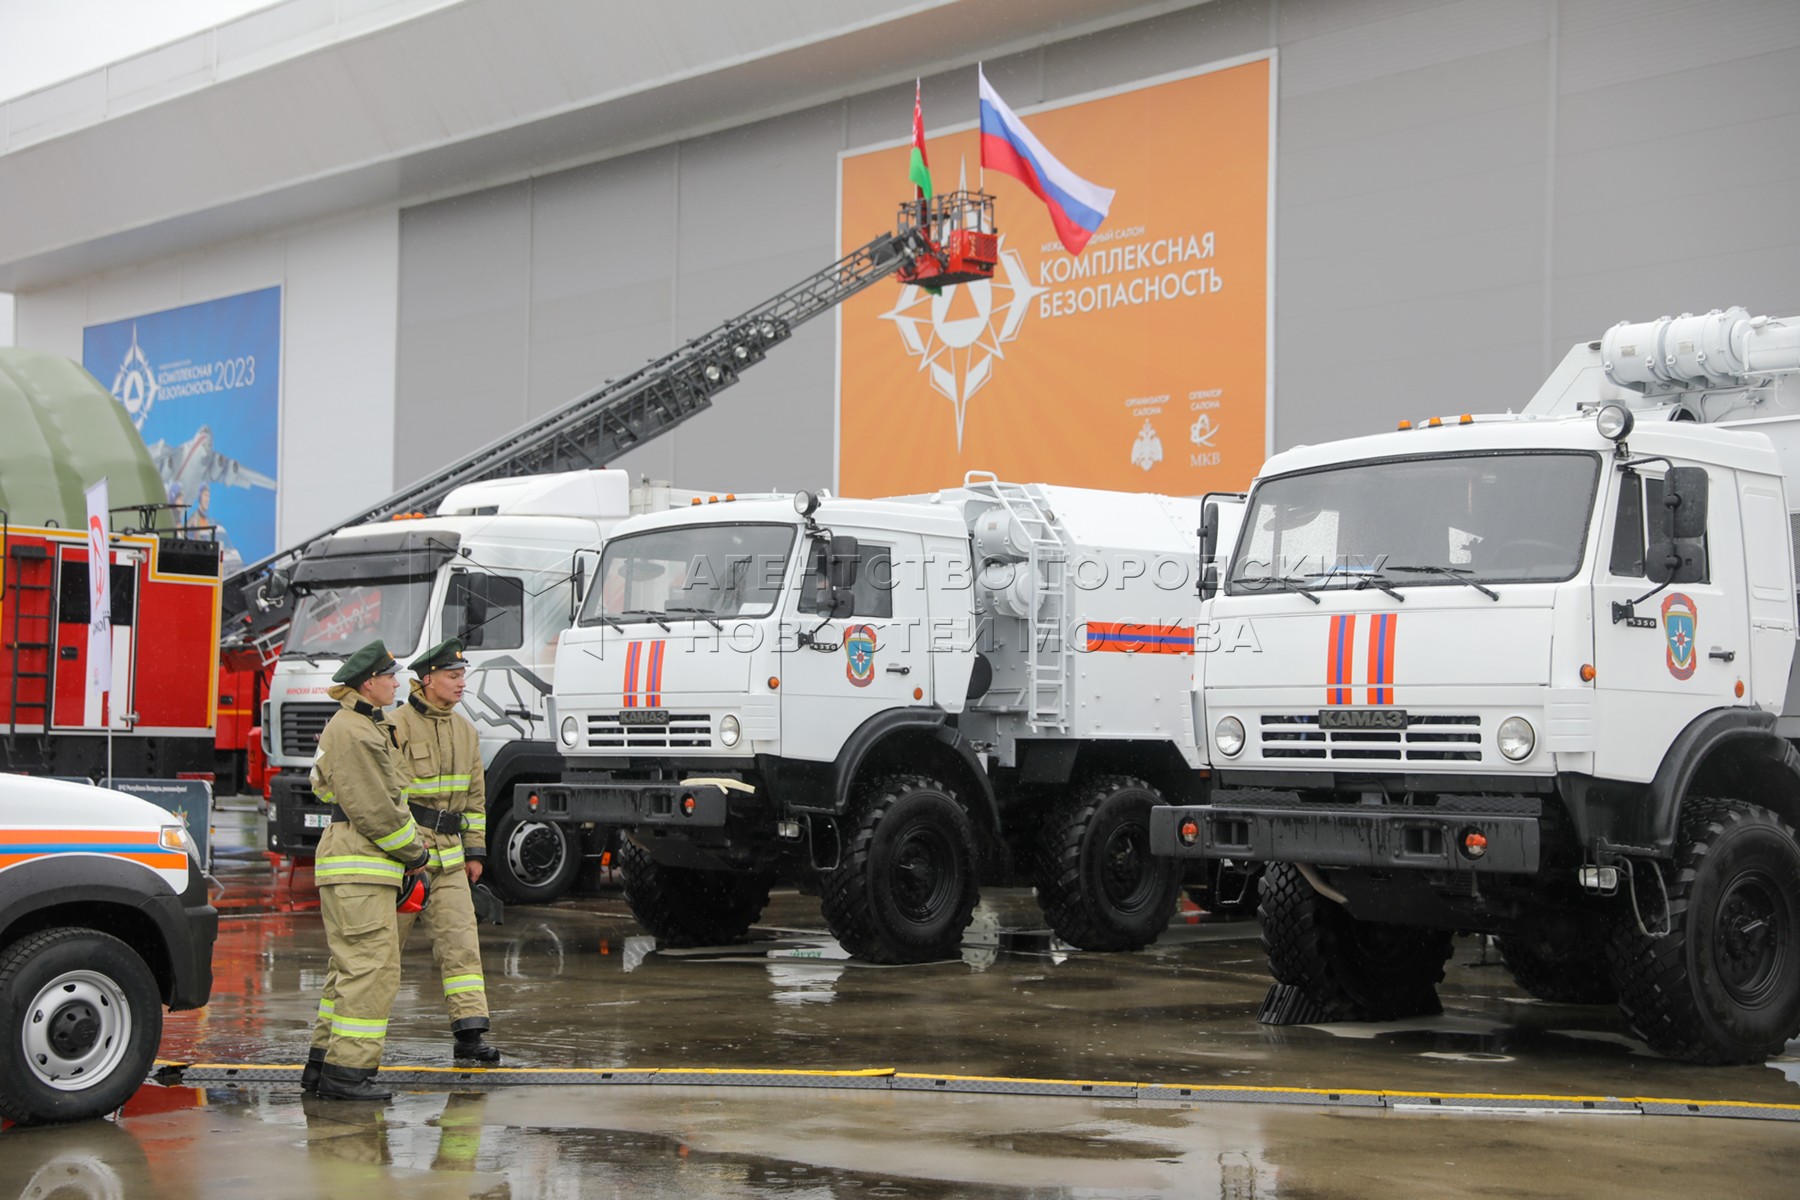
<point x="501" y="564"/>
<point x="1530" y="675"/>
<point x="888" y="702"/>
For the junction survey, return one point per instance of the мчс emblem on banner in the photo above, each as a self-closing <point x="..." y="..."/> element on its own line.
<point x="859" y="655"/>
<point x="1679" y="619"/>
<point x="1147" y="451"/>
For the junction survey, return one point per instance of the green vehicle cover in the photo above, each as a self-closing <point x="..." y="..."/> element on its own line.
<point x="62" y="431"/>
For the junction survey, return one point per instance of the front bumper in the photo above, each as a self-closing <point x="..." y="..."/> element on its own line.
<point x="632" y="803"/>
<point x="188" y="931"/>
<point x="1412" y="838"/>
<point x="296" y="818"/>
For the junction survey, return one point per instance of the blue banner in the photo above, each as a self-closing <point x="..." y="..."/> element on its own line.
<point x="202" y="383"/>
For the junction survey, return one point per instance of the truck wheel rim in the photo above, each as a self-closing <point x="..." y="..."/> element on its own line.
<point x="1127" y="879"/>
<point x="923" y="877"/>
<point x="1750" y="939"/>
<point x="77" y="1030"/>
<point x="535" y="851"/>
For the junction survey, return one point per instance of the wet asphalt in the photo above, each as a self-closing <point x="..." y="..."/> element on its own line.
<point x="576" y="984"/>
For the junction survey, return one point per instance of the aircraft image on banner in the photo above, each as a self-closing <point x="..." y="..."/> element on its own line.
<point x="194" y="462"/>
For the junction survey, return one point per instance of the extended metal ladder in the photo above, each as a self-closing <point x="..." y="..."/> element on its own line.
<point x="593" y="429"/>
<point x="1046" y="699"/>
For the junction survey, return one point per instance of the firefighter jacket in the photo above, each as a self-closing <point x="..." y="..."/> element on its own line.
<point x="372" y="838"/>
<point x="441" y="749"/>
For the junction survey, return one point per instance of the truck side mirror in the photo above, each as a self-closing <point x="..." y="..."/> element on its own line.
<point x="1685" y="496"/>
<point x="1209" y="550"/>
<point x="844" y="562"/>
<point x="1681" y="560"/>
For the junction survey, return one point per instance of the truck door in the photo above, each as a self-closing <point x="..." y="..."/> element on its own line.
<point x="1685" y="647"/>
<point x="857" y="665"/>
<point x="70" y="668"/>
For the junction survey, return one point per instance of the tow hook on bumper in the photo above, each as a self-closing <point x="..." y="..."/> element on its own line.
<point x="692" y="803"/>
<point x="1336" y="836"/>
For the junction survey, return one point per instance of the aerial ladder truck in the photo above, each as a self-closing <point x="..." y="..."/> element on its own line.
<point x="496" y="547"/>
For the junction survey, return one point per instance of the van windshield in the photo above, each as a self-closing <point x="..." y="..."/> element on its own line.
<point x="690" y="573"/>
<point x="1511" y="517"/>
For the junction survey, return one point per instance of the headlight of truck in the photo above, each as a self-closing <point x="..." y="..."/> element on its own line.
<point x="1228" y="736"/>
<point x="1516" y="738"/>
<point x="571" y="732"/>
<point x="729" y="732"/>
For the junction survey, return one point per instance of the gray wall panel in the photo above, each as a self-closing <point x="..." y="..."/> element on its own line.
<point x="464" y="326"/>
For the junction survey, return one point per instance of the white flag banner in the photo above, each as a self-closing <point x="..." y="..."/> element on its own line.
<point x="100" y="639"/>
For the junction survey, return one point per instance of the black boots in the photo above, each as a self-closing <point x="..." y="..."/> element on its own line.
<point x="471" y="1049"/>
<point x="315" y="1062"/>
<point x="350" y="1083"/>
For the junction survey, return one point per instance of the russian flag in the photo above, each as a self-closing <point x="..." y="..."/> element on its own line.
<point x="1077" y="207"/>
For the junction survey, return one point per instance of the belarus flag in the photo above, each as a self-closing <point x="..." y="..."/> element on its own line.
<point x="1076" y="206"/>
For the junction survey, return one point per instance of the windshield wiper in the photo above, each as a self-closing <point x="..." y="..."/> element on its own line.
<point x="1374" y="579"/>
<point x="1459" y="574"/>
<point x="644" y="612"/>
<point x="613" y="621"/>
<point x="1283" y="580"/>
<point x="705" y="614"/>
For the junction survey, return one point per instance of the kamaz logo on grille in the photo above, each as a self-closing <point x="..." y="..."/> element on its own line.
<point x="1362" y="718"/>
<point x="644" y="716"/>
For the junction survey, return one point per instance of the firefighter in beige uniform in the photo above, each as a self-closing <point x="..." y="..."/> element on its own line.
<point x="449" y="801"/>
<point x="367" y="853"/>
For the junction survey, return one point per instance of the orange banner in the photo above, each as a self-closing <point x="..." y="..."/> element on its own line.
<point x="1141" y="365"/>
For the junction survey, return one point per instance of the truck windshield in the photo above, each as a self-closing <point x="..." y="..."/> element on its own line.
<point x="1518" y="517"/>
<point x="690" y="573"/>
<point x="334" y="618"/>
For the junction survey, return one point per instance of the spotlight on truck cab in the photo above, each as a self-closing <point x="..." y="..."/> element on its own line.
<point x="805" y="503"/>
<point x="1614" y="422"/>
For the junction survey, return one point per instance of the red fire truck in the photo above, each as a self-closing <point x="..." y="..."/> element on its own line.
<point x="163" y="700"/>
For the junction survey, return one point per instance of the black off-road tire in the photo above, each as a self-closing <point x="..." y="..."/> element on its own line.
<point x="1576" y="974"/>
<point x="531" y="862"/>
<point x="906" y="886"/>
<point x="1724" y="985"/>
<point x="1355" y="970"/>
<point x="685" y="906"/>
<point x="1097" y="882"/>
<point x="84" y="1007"/>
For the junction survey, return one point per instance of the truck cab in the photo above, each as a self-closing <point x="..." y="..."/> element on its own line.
<point x="1517" y="675"/>
<point x="887" y="701"/>
<point x="500" y="565"/>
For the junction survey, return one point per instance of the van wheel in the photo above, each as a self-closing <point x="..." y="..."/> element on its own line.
<point x="1097" y="882"/>
<point x="683" y="906"/>
<point x="905" y="888"/>
<point x="1724" y="985"/>
<point x="1355" y="970"/>
<point x="532" y="862"/>
<point x="80" y="1020"/>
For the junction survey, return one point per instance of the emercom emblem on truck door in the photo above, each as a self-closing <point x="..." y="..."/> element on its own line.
<point x="859" y="653"/>
<point x="1680" y="617"/>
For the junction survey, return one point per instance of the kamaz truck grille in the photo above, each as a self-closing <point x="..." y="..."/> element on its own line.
<point x="301" y="725"/>
<point x="1426" y="738"/>
<point x="684" y="731"/>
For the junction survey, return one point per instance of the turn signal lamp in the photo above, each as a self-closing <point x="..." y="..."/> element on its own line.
<point x="1189" y="833"/>
<point x="1739" y="689"/>
<point x="774" y="682"/>
<point x="687" y="806"/>
<point x="1588" y="672"/>
<point x="173" y="837"/>
<point x="918" y="693"/>
<point x="1474" y="843"/>
<point x="532" y="802"/>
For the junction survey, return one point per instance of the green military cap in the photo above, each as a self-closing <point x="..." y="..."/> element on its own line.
<point x="373" y="659"/>
<point x="447" y="655"/>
